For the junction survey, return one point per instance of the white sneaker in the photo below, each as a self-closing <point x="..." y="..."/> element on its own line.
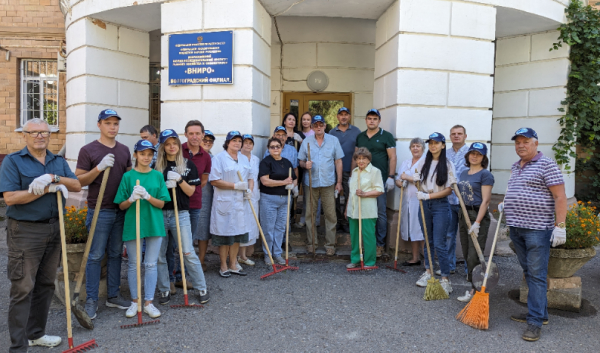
<point x="447" y="286"/>
<point x="132" y="310"/>
<point x="245" y="262"/>
<point x="152" y="311"/>
<point x="438" y="272"/>
<point x="465" y="298"/>
<point x="46" y="341"/>
<point x="422" y="282"/>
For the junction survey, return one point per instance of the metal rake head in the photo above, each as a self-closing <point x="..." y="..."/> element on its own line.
<point x="395" y="268"/>
<point x="138" y="324"/>
<point x="277" y="269"/>
<point x="179" y="306"/>
<point x="89" y="345"/>
<point x="362" y="268"/>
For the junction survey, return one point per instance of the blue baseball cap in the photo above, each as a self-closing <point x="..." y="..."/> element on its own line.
<point x="168" y="133"/>
<point x="280" y="128"/>
<point x="108" y="113"/>
<point x="248" y="137"/>
<point x="479" y="147"/>
<point x="143" y="145"/>
<point x="374" y="111"/>
<point x="436" y="136"/>
<point x="317" y="119"/>
<point x="343" y="109"/>
<point x="233" y="134"/>
<point x="208" y="133"/>
<point x="525" y="132"/>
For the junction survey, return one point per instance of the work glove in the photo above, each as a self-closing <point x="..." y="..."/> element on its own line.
<point x="452" y="180"/>
<point x="297" y="137"/>
<point x="59" y="187"/>
<point x="171" y="184"/>
<point x="240" y="185"/>
<point x="559" y="236"/>
<point x="416" y="177"/>
<point x="422" y="195"/>
<point x="247" y="194"/>
<point x="389" y="184"/>
<point x="107" y="161"/>
<point x="404" y="184"/>
<point x="38" y="184"/>
<point x="501" y="207"/>
<point x="139" y="192"/>
<point x="474" y="228"/>
<point x="295" y="191"/>
<point x="173" y="176"/>
<point x="289" y="186"/>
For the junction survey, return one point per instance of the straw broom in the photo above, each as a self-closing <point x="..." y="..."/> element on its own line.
<point x="477" y="312"/>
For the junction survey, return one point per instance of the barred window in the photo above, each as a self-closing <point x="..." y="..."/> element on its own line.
<point x="39" y="87"/>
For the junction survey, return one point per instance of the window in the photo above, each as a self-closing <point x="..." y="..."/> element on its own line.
<point x="39" y="87"/>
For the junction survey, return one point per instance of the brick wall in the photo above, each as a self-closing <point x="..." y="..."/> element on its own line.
<point x="29" y="29"/>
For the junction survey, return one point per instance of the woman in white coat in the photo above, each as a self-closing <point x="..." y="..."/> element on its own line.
<point x="410" y="227"/>
<point x="247" y="147"/>
<point x="228" y="226"/>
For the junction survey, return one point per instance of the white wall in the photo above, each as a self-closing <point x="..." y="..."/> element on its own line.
<point x="342" y="48"/>
<point x="530" y="84"/>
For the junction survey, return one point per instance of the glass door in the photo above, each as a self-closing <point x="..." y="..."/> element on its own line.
<point x="324" y="104"/>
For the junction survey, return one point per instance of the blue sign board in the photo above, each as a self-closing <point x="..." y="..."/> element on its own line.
<point x="201" y="58"/>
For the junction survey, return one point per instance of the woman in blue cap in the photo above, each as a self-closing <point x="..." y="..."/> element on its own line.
<point x="476" y="191"/>
<point x="434" y="175"/>
<point x="247" y="147"/>
<point x="228" y="225"/>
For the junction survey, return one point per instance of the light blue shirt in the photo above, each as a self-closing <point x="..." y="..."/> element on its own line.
<point x="323" y="158"/>
<point x="458" y="159"/>
<point x="288" y="153"/>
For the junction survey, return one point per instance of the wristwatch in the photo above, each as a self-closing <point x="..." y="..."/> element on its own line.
<point x="561" y="225"/>
<point x="180" y="181"/>
<point x="56" y="178"/>
<point x="392" y="176"/>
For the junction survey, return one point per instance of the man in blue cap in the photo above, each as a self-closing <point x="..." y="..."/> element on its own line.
<point x="535" y="207"/>
<point x="94" y="158"/>
<point x="346" y="134"/>
<point x="326" y="165"/>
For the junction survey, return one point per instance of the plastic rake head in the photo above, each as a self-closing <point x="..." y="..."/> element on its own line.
<point x="87" y="346"/>
<point x="278" y="269"/>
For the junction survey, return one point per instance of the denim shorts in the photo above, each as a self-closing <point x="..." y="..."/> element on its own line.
<point x="224" y="240"/>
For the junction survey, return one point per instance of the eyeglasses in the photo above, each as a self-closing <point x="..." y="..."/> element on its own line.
<point x="274" y="147"/>
<point x="35" y="134"/>
<point x="208" y="141"/>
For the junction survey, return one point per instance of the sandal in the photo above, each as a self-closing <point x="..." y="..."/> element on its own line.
<point x="406" y="263"/>
<point x="225" y="274"/>
<point x="238" y="271"/>
<point x="245" y="261"/>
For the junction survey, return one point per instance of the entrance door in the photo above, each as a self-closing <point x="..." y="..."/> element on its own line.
<point x="324" y="104"/>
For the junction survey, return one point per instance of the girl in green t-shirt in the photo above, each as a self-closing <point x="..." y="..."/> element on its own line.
<point x="152" y="193"/>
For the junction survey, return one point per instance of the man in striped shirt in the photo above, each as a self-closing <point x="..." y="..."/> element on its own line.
<point x="536" y="192"/>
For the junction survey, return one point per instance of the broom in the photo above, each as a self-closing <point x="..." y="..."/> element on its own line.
<point x="477" y="312"/>
<point x="434" y="289"/>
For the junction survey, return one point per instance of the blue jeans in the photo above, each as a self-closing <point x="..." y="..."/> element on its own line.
<point x="150" y="257"/>
<point x="381" y="230"/>
<point x="273" y="215"/>
<point x="453" y="212"/>
<point x="194" y="219"/>
<point x="191" y="261"/>
<point x="436" y="221"/>
<point x="533" y="251"/>
<point x="108" y="238"/>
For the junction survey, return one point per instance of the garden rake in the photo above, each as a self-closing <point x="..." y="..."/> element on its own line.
<point x="89" y="344"/>
<point x="186" y="303"/>
<point x="362" y="263"/>
<point x="287" y="231"/>
<point x="395" y="267"/>
<point x="138" y="270"/>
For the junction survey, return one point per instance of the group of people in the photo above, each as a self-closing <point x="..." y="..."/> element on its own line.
<point x="217" y="197"/>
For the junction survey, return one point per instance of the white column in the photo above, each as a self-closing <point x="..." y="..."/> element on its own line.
<point x="433" y="65"/>
<point x="530" y="84"/>
<point x="107" y="68"/>
<point x="242" y="106"/>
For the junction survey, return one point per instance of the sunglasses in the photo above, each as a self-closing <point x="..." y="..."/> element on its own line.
<point x="274" y="147"/>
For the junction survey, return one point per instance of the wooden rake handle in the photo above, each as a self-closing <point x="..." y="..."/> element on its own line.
<point x="425" y="229"/>
<point x="287" y="223"/>
<point x="179" y="241"/>
<point x="138" y="252"/>
<point x="399" y="220"/>
<point x="312" y="212"/>
<point x="359" y="218"/>
<point x="63" y="244"/>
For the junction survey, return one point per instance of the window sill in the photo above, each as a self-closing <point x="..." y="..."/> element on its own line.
<point x="52" y="129"/>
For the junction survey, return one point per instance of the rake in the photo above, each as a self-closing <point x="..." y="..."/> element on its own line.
<point x="287" y="232"/>
<point x="276" y="268"/>
<point x="138" y="270"/>
<point x="185" y="295"/>
<point x="395" y="267"/>
<point x="63" y="242"/>
<point x="362" y="263"/>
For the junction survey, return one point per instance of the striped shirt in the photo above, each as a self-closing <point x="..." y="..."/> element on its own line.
<point x="529" y="202"/>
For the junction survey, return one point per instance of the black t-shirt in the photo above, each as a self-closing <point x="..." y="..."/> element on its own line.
<point x="276" y="170"/>
<point x="190" y="176"/>
<point x="290" y="141"/>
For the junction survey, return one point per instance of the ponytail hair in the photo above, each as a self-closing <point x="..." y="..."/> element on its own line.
<point x="441" y="169"/>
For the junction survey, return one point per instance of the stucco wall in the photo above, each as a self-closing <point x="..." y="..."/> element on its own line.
<point x="529" y="86"/>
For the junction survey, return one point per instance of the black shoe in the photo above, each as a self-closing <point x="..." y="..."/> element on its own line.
<point x="523" y="318"/>
<point x="204" y="297"/>
<point x="532" y="333"/>
<point x="406" y="263"/>
<point x="165" y="298"/>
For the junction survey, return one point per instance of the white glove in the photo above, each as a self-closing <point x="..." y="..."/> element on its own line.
<point x="501" y="207"/>
<point x="416" y="177"/>
<point x="173" y="176"/>
<point x="171" y="184"/>
<point x="297" y="137"/>
<point x="389" y="184"/>
<point x="405" y="183"/>
<point x="559" y="236"/>
<point x="59" y="187"/>
<point x="335" y="194"/>
<point x="422" y="195"/>
<point x="134" y="197"/>
<point x="474" y="228"/>
<point x="289" y="186"/>
<point x="295" y="191"/>
<point x="452" y="179"/>
<point x="38" y="184"/>
<point x="247" y="194"/>
<point x="140" y="190"/>
<point x="107" y="161"/>
<point x="241" y="185"/>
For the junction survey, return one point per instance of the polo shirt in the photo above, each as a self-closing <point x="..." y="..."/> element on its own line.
<point x="203" y="164"/>
<point x="528" y="202"/>
<point x="378" y="145"/>
<point x="323" y="158"/>
<point x="18" y="171"/>
<point x="458" y="159"/>
<point x="348" y="142"/>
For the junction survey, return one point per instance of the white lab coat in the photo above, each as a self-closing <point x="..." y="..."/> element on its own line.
<point x="410" y="206"/>
<point x="227" y="217"/>
<point x="250" y="220"/>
